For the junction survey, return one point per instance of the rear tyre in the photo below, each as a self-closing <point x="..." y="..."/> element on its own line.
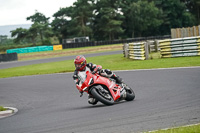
<point x="130" y="95"/>
<point x="102" y="95"/>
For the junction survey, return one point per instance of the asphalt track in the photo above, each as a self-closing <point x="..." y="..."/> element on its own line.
<point x="51" y="103"/>
<point x="4" y="65"/>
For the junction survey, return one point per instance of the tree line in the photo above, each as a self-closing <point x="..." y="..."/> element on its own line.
<point x="111" y="19"/>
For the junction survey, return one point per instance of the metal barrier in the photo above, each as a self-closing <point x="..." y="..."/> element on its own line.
<point x="136" y="51"/>
<point x="189" y="46"/>
<point x="98" y="43"/>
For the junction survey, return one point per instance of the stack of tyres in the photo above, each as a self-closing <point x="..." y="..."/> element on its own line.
<point x="137" y="51"/>
<point x="189" y="46"/>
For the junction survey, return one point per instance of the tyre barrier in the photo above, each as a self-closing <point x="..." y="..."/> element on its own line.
<point x="189" y="46"/>
<point x="8" y="57"/>
<point x="136" y="51"/>
<point x="30" y="49"/>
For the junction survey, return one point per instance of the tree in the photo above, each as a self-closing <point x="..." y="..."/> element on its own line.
<point x="175" y="15"/>
<point x="194" y="7"/>
<point x="108" y="20"/>
<point x="32" y="34"/>
<point x="127" y="22"/>
<point x="20" y="34"/>
<point x="74" y="21"/>
<point x="38" y="18"/>
<point x="82" y="16"/>
<point x="41" y="26"/>
<point x="143" y="18"/>
<point x="61" y="23"/>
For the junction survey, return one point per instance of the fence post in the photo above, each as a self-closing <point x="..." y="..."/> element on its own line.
<point x="199" y="29"/>
<point x="149" y="46"/>
<point x="125" y="50"/>
<point x="173" y="33"/>
<point x="191" y="31"/>
<point x="156" y="45"/>
<point x="146" y="47"/>
<point x="188" y="32"/>
<point x="194" y="31"/>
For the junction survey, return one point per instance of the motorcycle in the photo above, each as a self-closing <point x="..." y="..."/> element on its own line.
<point x="105" y="90"/>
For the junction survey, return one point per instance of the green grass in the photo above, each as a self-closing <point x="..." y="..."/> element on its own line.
<point x="187" y="129"/>
<point x="113" y="62"/>
<point x="2" y="108"/>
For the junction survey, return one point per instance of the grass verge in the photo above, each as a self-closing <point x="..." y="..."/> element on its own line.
<point x="113" y="62"/>
<point x="185" y="129"/>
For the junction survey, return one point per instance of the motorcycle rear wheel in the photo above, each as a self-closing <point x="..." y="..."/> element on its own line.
<point x="106" y="98"/>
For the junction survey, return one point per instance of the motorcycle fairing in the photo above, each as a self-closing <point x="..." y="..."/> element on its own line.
<point x="92" y="79"/>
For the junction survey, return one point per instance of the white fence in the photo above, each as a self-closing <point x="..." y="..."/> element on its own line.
<point x="185" y="32"/>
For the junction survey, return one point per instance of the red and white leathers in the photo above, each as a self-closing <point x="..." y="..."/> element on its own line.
<point x="94" y="68"/>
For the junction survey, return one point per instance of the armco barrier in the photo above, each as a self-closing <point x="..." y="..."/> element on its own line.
<point x="189" y="46"/>
<point x="8" y="57"/>
<point x="136" y="51"/>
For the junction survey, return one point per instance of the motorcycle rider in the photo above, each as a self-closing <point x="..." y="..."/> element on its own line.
<point x="82" y="66"/>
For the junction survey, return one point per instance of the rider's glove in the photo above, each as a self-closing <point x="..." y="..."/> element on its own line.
<point x="97" y="69"/>
<point x="75" y="77"/>
<point x="76" y="80"/>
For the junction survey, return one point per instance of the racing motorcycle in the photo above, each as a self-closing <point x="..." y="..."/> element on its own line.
<point x="105" y="90"/>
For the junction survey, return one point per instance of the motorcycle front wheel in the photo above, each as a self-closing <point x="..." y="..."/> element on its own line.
<point x="130" y="95"/>
<point x="102" y="95"/>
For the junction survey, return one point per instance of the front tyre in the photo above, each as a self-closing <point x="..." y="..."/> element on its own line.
<point x="130" y="95"/>
<point x="102" y="95"/>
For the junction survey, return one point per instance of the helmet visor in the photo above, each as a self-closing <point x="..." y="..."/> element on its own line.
<point x="79" y="66"/>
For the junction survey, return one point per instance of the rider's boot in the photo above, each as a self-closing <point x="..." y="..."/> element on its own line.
<point x="122" y="92"/>
<point x="120" y="82"/>
<point x="117" y="78"/>
<point x="92" y="100"/>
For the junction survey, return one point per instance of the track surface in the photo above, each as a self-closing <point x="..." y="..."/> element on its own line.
<point x="51" y="103"/>
<point x="4" y="65"/>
